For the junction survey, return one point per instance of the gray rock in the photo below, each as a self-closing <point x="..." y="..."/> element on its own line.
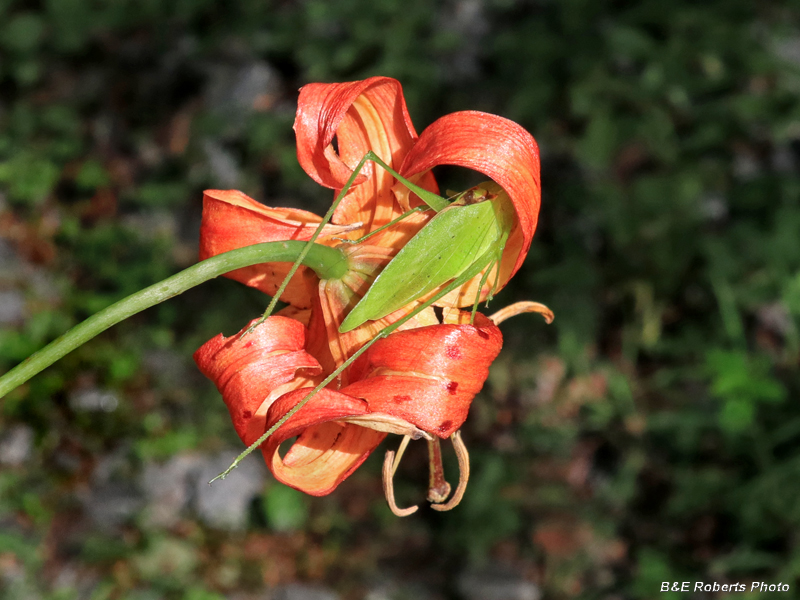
<point x="224" y="504"/>
<point x="788" y="49"/>
<point x="235" y="91"/>
<point x="113" y="497"/>
<point x="776" y="318"/>
<point x="782" y="159"/>
<point x="745" y="166"/>
<point x="152" y="225"/>
<point x="110" y="505"/>
<point x="12" y="307"/>
<point x="222" y="164"/>
<point x="714" y="208"/>
<point x="11" y="264"/>
<point x="302" y="591"/>
<point x="496" y="582"/>
<point x="16" y="445"/>
<point x="94" y="400"/>
<point x="168" y="488"/>
<point x="465" y="19"/>
<point x="391" y="589"/>
<point x="168" y="367"/>
<point x="42" y="284"/>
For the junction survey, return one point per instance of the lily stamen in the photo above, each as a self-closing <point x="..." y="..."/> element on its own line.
<point x="389" y="466"/>
<point x="463" y="473"/>
<point x="519" y="308"/>
<point x="438" y="488"/>
<point x="400" y="451"/>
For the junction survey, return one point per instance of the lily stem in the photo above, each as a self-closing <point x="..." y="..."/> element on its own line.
<point x="328" y="263"/>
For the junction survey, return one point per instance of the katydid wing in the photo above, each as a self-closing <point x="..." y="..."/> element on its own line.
<point x="447" y="246"/>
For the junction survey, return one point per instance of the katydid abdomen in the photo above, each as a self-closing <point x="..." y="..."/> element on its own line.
<point x="478" y="221"/>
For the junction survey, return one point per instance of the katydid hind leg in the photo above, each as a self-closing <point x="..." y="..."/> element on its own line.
<point x="495" y="264"/>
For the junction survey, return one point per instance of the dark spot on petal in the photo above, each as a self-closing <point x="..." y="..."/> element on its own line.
<point x="248" y="344"/>
<point x="483" y="334"/>
<point x="247" y="414"/>
<point x="452" y="387"/>
<point x="453" y="352"/>
<point x="445" y="426"/>
<point x="402" y="399"/>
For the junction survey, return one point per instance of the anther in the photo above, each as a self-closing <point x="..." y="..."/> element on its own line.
<point x="522" y="307"/>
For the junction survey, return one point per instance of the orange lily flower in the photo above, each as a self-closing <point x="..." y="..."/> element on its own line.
<point x="420" y="380"/>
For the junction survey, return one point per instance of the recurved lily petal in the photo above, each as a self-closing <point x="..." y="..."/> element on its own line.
<point x="248" y="370"/>
<point x="327" y="450"/>
<point x="362" y="116"/>
<point x="427" y="376"/>
<point x="233" y="220"/>
<point x="263" y="375"/>
<point x="498" y="148"/>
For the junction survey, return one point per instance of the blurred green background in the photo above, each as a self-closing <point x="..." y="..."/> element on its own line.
<point x="651" y="434"/>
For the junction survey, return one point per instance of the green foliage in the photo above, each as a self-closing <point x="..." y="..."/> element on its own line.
<point x="285" y="508"/>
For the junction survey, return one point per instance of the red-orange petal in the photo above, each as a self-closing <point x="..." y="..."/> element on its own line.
<point x="427" y="376"/>
<point x="247" y="369"/>
<point x="233" y="220"/>
<point x="496" y="147"/>
<point x="326" y="451"/>
<point x="361" y="115"/>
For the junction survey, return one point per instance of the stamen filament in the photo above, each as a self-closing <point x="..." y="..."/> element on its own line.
<point x="388" y="487"/>
<point x="463" y="474"/>
<point x="400" y="451"/>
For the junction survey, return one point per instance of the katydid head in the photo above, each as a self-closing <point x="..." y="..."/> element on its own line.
<point x="479" y="193"/>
